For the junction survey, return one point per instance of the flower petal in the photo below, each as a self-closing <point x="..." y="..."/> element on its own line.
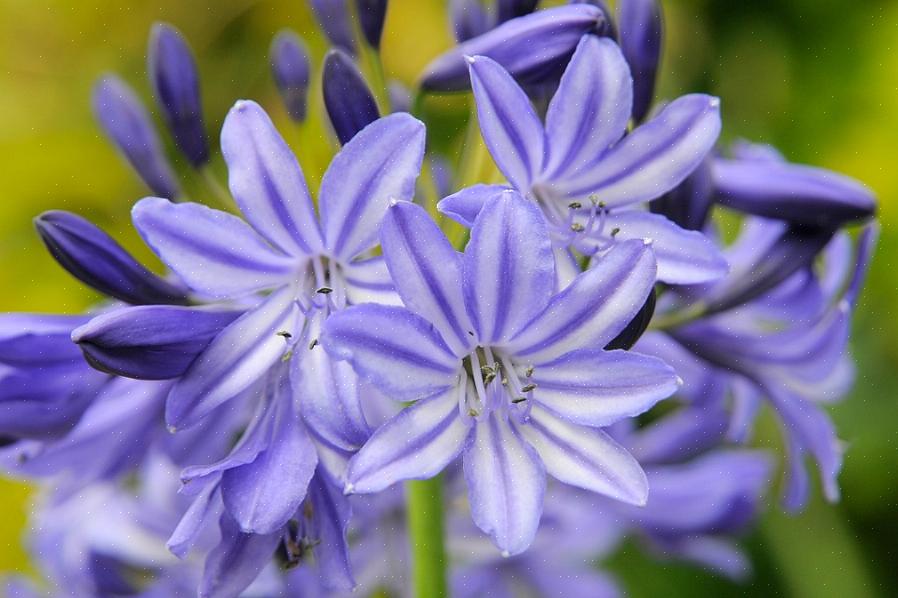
<point x="510" y="127"/>
<point x="38" y="339"/>
<point x="330" y="519"/>
<point x="585" y="457"/>
<point x="598" y="388"/>
<point x="591" y="108"/>
<point x="267" y="182"/>
<point x="594" y="308"/>
<point x="235" y="359"/>
<point x="214" y="252"/>
<point x="236" y="561"/>
<point x="428" y="272"/>
<point x="394" y="349"/>
<point x="416" y="444"/>
<point x="464" y="205"/>
<point x="379" y="165"/>
<point x="369" y="281"/>
<point x="509" y="268"/>
<point x="654" y="158"/>
<point x="640" y="24"/>
<point x="506" y="483"/>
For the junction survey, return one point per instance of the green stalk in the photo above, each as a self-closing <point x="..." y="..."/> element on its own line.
<point x="425" y="526"/>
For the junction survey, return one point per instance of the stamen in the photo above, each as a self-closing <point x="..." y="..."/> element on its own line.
<point x="313" y="344"/>
<point x="285" y="334"/>
<point x="325" y="290"/>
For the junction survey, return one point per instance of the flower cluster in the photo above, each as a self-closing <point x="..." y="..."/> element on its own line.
<point x="239" y="425"/>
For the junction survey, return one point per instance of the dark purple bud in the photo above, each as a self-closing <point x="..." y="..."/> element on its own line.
<point x="469" y="19"/>
<point x="512" y="9"/>
<point x="794" y="250"/>
<point x="128" y="125"/>
<point x="174" y="76"/>
<point x="333" y="17"/>
<point x="800" y="194"/>
<point x="689" y="203"/>
<point x="372" y="14"/>
<point x="350" y="104"/>
<point x="640" y="31"/>
<point x="150" y="342"/>
<point x="533" y="48"/>
<point x="94" y="258"/>
<point x="637" y="326"/>
<point x="290" y="66"/>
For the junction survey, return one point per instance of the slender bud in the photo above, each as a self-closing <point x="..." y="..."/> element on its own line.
<point x="290" y="66"/>
<point x="333" y="17"/>
<point x="350" y="104"/>
<point x="372" y="14"/>
<point x="174" y="77"/>
<point x="469" y="19"/>
<point x="127" y="123"/>
<point x="94" y="258"/>
<point x="640" y="30"/>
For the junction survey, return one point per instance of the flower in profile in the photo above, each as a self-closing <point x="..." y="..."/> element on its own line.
<point x="588" y="175"/>
<point x="501" y="367"/>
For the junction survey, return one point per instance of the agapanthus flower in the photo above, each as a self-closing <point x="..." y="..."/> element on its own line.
<point x="347" y="98"/>
<point x="290" y="66"/>
<point x="588" y="176"/>
<point x="501" y="367"/>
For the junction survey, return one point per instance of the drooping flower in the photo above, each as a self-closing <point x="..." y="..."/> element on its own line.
<point x="587" y="176"/>
<point x="501" y="367"/>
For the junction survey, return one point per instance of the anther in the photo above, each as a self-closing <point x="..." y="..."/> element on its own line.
<point x="528" y="387"/>
<point x="614" y="231"/>
<point x="325" y="290"/>
<point x="575" y="205"/>
<point x="577" y="227"/>
<point x="287" y="356"/>
<point x="517" y="400"/>
<point x="313" y="344"/>
<point x="285" y="334"/>
<point x="529" y="371"/>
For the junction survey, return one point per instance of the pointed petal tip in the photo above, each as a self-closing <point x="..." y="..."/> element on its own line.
<point x="348" y="489"/>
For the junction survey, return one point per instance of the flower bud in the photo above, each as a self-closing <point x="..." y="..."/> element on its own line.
<point x="127" y="124"/>
<point x="290" y="66"/>
<point x="174" y="77"/>
<point x="333" y="17"/>
<point x="512" y="9"/>
<point x="350" y="104"/>
<point x="372" y="14"/>
<point x="689" y="203"/>
<point x="640" y="30"/>
<point x="469" y="19"/>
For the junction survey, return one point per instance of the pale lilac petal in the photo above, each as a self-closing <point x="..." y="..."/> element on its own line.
<point x="331" y="513"/>
<point x="594" y="308"/>
<point x="267" y="182"/>
<point x="236" y="561"/>
<point x="369" y="281"/>
<point x="684" y="256"/>
<point x="416" y="444"/>
<point x="191" y="523"/>
<point x="506" y="483"/>
<point x="379" y="165"/>
<point x="654" y="158"/>
<point x="428" y="272"/>
<point x="597" y="388"/>
<point x="394" y="349"/>
<point x="237" y="357"/>
<point x="464" y="205"/>
<point x="214" y="252"/>
<point x="510" y="127"/>
<point x="591" y="108"/>
<point x="509" y="268"/>
<point x="585" y="457"/>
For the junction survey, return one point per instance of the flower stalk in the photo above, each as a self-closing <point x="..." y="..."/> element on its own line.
<point x="425" y="525"/>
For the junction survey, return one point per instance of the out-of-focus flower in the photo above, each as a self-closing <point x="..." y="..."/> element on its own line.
<point x="639" y="30"/>
<point x="290" y="67"/>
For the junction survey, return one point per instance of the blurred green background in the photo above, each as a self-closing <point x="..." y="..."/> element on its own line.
<point x="817" y="79"/>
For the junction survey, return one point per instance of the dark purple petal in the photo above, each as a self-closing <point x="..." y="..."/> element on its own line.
<point x="689" y="203"/>
<point x="529" y="47"/>
<point x="38" y="339"/>
<point x="585" y="457"/>
<point x="506" y="483"/>
<point x="509" y="272"/>
<point x="94" y="258"/>
<point x="333" y="16"/>
<point x="291" y="68"/>
<point x="234" y="360"/>
<point x="639" y="26"/>
<point x="637" y="326"/>
<point x="416" y="444"/>
<point x="267" y="181"/>
<point x="428" y="271"/>
<point x="803" y="195"/>
<point x="372" y="14"/>
<point x="236" y="561"/>
<point x="128" y="125"/>
<point x="349" y="102"/>
<point x="152" y="342"/>
<point x="214" y="252"/>
<point x="510" y="127"/>
<point x="512" y="9"/>
<point x="175" y="79"/>
<point x="394" y="349"/>
<point x="378" y="166"/>
<point x="594" y="308"/>
<point x="654" y="158"/>
<point x="469" y="19"/>
<point x="680" y="435"/>
<point x="465" y="205"/>
<point x="591" y="108"/>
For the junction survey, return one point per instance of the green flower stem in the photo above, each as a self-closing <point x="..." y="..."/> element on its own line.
<point x="425" y="525"/>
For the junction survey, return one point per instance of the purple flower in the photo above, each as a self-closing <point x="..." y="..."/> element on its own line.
<point x="349" y="102"/>
<point x="372" y="14"/>
<point x="176" y="82"/>
<point x="333" y="16"/>
<point x="639" y="26"/>
<point x="533" y="47"/>
<point x="127" y="124"/>
<point x="582" y="169"/>
<point x="516" y="381"/>
<point x="290" y="67"/>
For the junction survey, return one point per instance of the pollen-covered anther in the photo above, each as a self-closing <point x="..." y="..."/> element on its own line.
<point x="313" y="344"/>
<point x="615" y="231"/>
<point x="529" y="387"/>
<point x="528" y="373"/>
<point x="575" y="205"/>
<point x="285" y="334"/>
<point x="577" y="227"/>
<point x="325" y="290"/>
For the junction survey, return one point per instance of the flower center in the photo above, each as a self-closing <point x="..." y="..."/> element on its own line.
<point x="494" y="381"/>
